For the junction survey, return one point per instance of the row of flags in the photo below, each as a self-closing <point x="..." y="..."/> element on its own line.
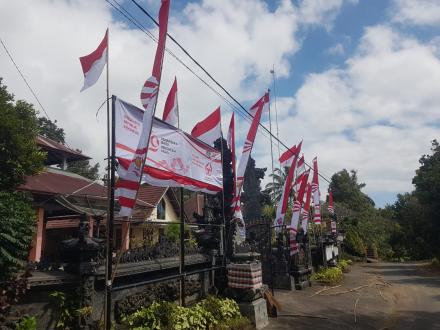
<point x="208" y="130"/>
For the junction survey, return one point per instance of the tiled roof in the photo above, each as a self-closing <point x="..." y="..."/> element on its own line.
<point x="150" y="194"/>
<point x="57" y="151"/>
<point x="54" y="181"/>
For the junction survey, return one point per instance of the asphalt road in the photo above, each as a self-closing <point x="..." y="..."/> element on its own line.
<point x="382" y="296"/>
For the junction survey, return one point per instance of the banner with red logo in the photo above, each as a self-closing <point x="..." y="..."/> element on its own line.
<point x="174" y="158"/>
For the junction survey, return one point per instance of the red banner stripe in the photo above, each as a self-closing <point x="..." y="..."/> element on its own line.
<point x="126" y="202"/>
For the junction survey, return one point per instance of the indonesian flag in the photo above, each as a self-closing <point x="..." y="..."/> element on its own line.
<point x="300" y="170"/>
<point x="331" y="209"/>
<point x="287" y="157"/>
<point x="209" y="129"/>
<point x="171" y="110"/>
<point x="93" y="64"/>
<point x="306" y="209"/>
<point x="128" y="184"/>
<point x="296" y="211"/>
<point x="315" y="191"/>
<point x="282" y="204"/>
<point x="257" y="110"/>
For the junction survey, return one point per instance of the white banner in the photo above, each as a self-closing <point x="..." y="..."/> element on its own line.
<point x="174" y="158"/>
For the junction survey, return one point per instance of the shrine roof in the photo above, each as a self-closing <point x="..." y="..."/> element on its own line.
<point x="56" y="152"/>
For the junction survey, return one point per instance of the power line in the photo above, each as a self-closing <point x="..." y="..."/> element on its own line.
<point x="241" y="110"/>
<point x="23" y="77"/>
<point x="135" y="22"/>
<point x="217" y="83"/>
<point x="28" y="85"/>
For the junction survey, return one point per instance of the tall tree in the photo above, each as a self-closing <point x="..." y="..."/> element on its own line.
<point x="51" y="130"/>
<point x="18" y="131"/>
<point x="427" y="183"/>
<point x="20" y="157"/>
<point x="346" y="189"/>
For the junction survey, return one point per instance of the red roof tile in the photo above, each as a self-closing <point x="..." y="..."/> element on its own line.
<point x="150" y="194"/>
<point x="54" y="181"/>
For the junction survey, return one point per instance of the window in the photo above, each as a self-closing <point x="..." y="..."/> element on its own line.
<point x="161" y="210"/>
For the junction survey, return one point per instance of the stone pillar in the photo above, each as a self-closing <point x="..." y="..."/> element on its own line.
<point x="37" y="241"/>
<point x="90" y="220"/>
<point x="125" y="237"/>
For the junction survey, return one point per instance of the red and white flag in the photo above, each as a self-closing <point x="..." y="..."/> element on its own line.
<point x="300" y="169"/>
<point x="316" y="195"/>
<point x="296" y="211"/>
<point x="209" y="129"/>
<point x="282" y="204"/>
<point x="130" y="181"/>
<point x="93" y="64"/>
<point x="257" y="110"/>
<point x="305" y="213"/>
<point x="171" y="109"/>
<point x="331" y="209"/>
<point x="287" y="157"/>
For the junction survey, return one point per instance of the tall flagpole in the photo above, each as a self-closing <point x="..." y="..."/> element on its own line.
<point x="276" y="110"/>
<point x="271" y="147"/>
<point x="110" y="197"/>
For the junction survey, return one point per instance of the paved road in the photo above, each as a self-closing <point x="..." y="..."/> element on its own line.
<point x="386" y="296"/>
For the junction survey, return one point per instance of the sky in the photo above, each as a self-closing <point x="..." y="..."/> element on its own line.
<point x="357" y="80"/>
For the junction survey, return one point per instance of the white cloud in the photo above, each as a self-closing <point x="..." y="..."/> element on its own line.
<point x="417" y="12"/>
<point x="321" y="12"/>
<point x="337" y="49"/>
<point x="236" y="41"/>
<point x="377" y="114"/>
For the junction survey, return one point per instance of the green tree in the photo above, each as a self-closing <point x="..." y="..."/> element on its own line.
<point x="18" y="131"/>
<point x="51" y="130"/>
<point x="275" y="187"/>
<point x="346" y="189"/>
<point x="83" y="167"/>
<point x="427" y="192"/>
<point x="17" y="223"/>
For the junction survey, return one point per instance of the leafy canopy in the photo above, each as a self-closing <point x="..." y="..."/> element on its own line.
<point x="18" y="147"/>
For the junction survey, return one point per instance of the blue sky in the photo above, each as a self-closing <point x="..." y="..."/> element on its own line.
<point x="358" y="80"/>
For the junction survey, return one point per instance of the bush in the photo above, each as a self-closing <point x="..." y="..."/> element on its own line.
<point x="330" y="276"/>
<point x="344" y="265"/>
<point x="211" y="313"/>
<point x="17" y="223"/>
<point x="26" y="323"/>
<point x="354" y="243"/>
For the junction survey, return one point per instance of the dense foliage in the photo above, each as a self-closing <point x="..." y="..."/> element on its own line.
<point x="408" y="229"/>
<point x="329" y="276"/>
<point x="50" y="129"/>
<point x="418" y="213"/>
<point x="211" y="313"/>
<point x="18" y="131"/>
<point x="17" y="223"/>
